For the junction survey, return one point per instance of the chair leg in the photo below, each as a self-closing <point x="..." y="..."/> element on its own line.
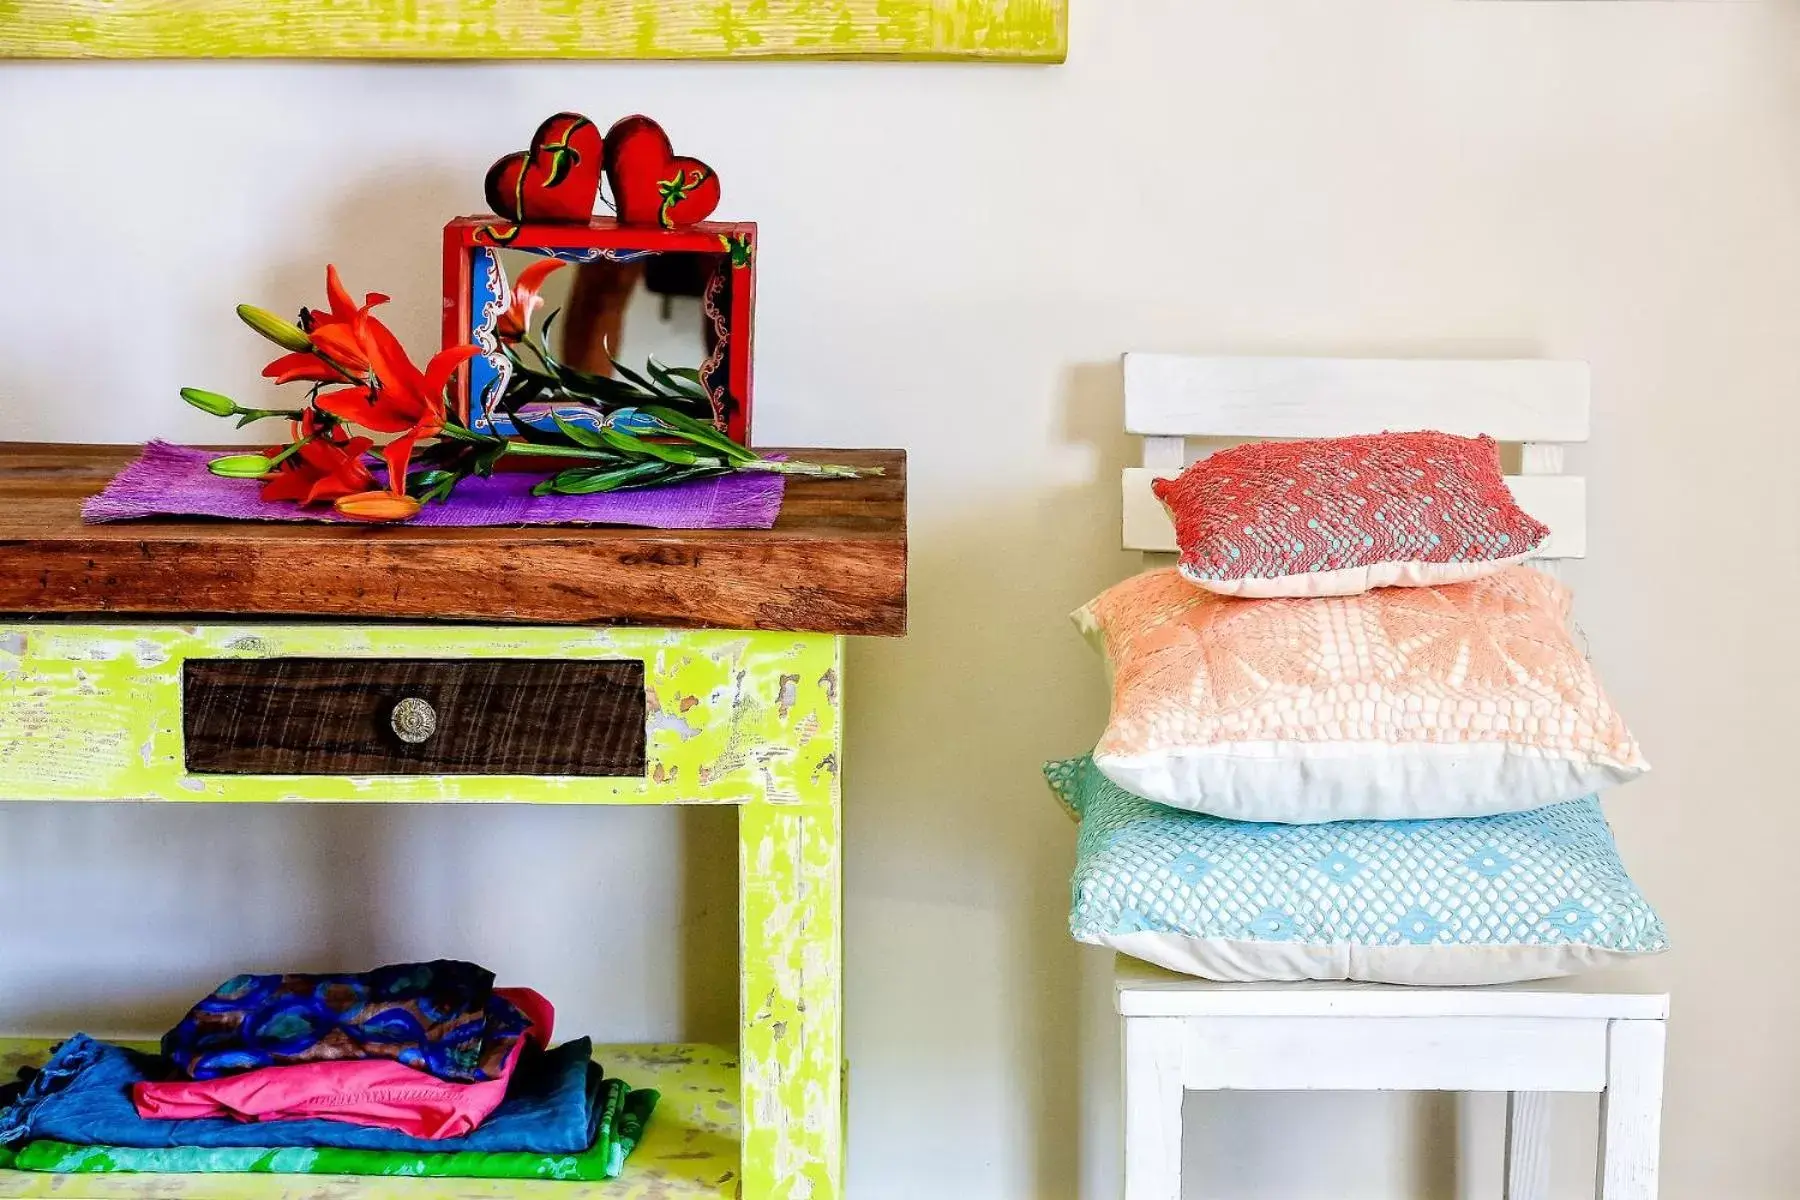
<point x="1527" y="1146"/>
<point x="1631" y="1111"/>
<point x="1153" y="1095"/>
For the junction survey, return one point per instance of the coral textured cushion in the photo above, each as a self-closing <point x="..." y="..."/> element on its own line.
<point x="1488" y="900"/>
<point x="1338" y="516"/>
<point x="1451" y="701"/>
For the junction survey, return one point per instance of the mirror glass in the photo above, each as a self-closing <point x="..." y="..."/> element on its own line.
<point x="641" y="306"/>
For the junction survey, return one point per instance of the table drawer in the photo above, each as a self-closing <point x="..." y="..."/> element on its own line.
<point x="411" y="716"/>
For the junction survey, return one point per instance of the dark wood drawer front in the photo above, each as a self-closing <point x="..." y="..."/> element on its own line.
<point x="400" y="716"/>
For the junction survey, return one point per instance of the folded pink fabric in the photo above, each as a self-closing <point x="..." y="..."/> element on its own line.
<point x="378" y="1092"/>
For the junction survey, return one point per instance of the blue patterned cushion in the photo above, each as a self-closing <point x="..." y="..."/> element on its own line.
<point x="1458" y="901"/>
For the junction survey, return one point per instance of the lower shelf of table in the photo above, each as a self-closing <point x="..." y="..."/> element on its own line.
<point x="690" y="1148"/>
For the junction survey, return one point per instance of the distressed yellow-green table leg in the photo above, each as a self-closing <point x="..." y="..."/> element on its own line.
<point x="791" y="1037"/>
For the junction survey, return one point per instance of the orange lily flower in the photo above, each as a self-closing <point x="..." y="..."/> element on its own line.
<point x="326" y="467"/>
<point x="338" y="333"/>
<point x="343" y="308"/>
<point x="515" y="322"/>
<point x="404" y="400"/>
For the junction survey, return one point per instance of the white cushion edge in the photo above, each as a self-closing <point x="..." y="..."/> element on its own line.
<point x="1231" y="960"/>
<point x="1306" y="783"/>
<point x="1353" y="581"/>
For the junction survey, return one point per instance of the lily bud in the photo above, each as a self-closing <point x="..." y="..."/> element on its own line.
<point x="210" y="402"/>
<point x="283" y="333"/>
<point x="377" y="507"/>
<point x="241" y="466"/>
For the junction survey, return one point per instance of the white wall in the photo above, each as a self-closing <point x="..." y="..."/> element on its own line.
<point x="953" y="257"/>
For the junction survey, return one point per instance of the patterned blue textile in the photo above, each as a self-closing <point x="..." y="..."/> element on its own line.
<point x="1548" y="877"/>
<point x="83" y="1095"/>
<point x="438" y="1017"/>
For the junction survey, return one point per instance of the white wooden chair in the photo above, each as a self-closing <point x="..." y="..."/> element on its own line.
<point x="1602" y="1034"/>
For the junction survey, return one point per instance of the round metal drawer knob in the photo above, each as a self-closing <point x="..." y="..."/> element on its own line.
<point x="414" y="720"/>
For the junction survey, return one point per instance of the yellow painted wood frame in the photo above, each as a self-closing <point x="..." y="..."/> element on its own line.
<point x="1018" y="30"/>
<point x="93" y="712"/>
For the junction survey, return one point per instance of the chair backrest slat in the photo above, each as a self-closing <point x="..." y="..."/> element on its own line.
<point x="1539" y="404"/>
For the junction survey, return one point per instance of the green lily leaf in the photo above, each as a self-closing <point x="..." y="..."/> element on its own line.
<point x="520" y="391"/>
<point x="670" y="382"/>
<point x="632" y="377"/>
<point x="486" y="460"/>
<point x="612" y="393"/>
<point x="581" y="437"/>
<point x="599" y="387"/>
<point x="700" y="432"/>
<point x="433" y="485"/>
<point x="583" y="481"/>
<point x="639" y="448"/>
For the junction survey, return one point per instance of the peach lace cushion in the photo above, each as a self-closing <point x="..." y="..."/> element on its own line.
<point x="1458" y="700"/>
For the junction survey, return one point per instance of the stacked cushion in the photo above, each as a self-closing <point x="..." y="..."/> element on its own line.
<point x="1310" y="775"/>
<point x="1452" y="701"/>
<point x="1487" y="900"/>
<point x="1338" y="516"/>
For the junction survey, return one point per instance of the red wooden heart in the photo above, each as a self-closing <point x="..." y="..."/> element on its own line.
<point x="651" y="184"/>
<point x="557" y="180"/>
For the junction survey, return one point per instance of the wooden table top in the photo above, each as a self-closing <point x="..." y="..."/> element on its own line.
<point x="835" y="562"/>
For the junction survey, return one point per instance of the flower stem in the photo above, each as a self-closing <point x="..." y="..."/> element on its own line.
<point x="529" y="449"/>
<point x="782" y="466"/>
<point x="459" y="433"/>
<point x="775" y="466"/>
<point x="290" y="451"/>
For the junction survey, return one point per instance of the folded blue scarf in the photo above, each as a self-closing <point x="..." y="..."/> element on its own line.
<point x="83" y="1096"/>
<point x="438" y="1017"/>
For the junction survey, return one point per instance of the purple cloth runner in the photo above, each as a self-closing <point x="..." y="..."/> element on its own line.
<point x="170" y="480"/>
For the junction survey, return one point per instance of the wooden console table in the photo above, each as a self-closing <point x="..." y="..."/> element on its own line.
<point x="185" y="660"/>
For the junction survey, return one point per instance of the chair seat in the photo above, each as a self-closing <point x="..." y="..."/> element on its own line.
<point x="1629" y="993"/>
<point x="1600" y="1034"/>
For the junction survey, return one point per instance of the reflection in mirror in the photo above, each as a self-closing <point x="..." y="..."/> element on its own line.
<point x="649" y="306"/>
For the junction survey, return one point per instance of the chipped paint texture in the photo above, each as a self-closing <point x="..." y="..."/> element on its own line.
<point x="690" y="1147"/>
<point x="791" y="1023"/>
<point x="1033" y="30"/>
<point x="93" y="712"/>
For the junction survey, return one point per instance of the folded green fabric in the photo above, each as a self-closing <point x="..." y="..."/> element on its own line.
<point x="624" y="1114"/>
<point x="633" y="1116"/>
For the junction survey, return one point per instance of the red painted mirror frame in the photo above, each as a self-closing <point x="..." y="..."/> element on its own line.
<point x="475" y="287"/>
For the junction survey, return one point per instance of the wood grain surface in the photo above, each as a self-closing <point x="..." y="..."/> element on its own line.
<point x="1022" y="30"/>
<point x="835" y="562"/>
<point x="334" y="716"/>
